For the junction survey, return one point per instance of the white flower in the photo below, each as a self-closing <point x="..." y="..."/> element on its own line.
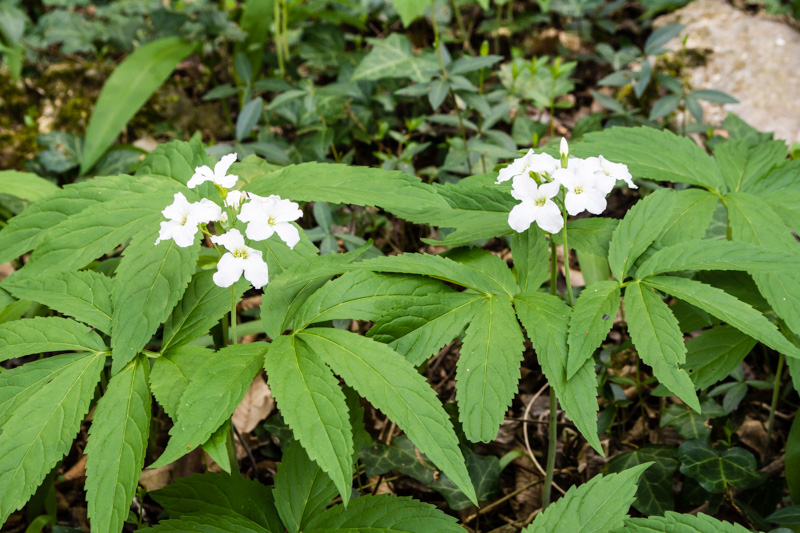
<point x="564" y="148"/>
<point x="581" y="184"/>
<point x="219" y="175"/>
<point x="608" y="173"/>
<point x="235" y="198"/>
<point x="185" y="217"/>
<point x="530" y="162"/>
<point x="536" y="206"/>
<point x="266" y="216"/>
<point x="239" y="259"/>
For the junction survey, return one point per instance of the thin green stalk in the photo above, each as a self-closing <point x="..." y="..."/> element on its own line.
<point x="552" y="419"/>
<point x="570" y="299"/>
<point x="775" y="393"/>
<point x="462" y="31"/>
<point x="552" y="116"/>
<point x="278" y="45"/>
<point x="233" y="314"/>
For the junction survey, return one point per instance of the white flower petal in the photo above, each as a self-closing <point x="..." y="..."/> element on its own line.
<point x="515" y="168"/>
<point x="564" y="148"/>
<point x="575" y="203"/>
<point x="522" y="216"/>
<point x="288" y="233"/>
<point x="524" y="187"/>
<point x="178" y="209"/>
<point x="232" y="240"/>
<point x="205" y="211"/>
<point x="226" y="181"/>
<point x="201" y="175"/>
<point x="183" y="235"/>
<point x="550" y="189"/>
<point x="595" y="201"/>
<point x="234" y="198"/>
<point x="259" y="231"/>
<point x="564" y="176"/>
<point x="286" y="211"/>
<point x="229" y="270"/>
<point x="221" y="168"/>
<point x="549" y="217"/>
<point x="255" y="269"/>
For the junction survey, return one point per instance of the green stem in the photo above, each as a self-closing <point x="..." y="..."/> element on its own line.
<point x="278" y="45"/>
<point x="570" y="298"/>
<point x="552" y="419"/>
<point x="553" y="112"/>
<point x="775" y="393"/>
<point x="233" y="314"/>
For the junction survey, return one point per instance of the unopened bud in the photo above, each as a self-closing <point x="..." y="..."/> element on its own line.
<point x="564" y="152"/>
<point x="485" y="48"/>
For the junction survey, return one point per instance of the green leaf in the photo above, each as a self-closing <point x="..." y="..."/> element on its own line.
<point x="589" y="235"/>
<point x="650" y="153"/>
<point x="690" y="217"/>
<point x="655" y="493"/>
<point x="302" y="490"/>
<point x="640" y="227"/>
<point x="785" y="516"/>
<point x="487" y="264"/>
<point x="725" y="307"/>
<point x="713" y="254"/>
<point x="211" y="397"/>
<point x="47" y="334"/>
<point x="117" y="444"/>
<point x="221" y="495"/>
<point x="172" y="373"/>
<point x="685" y="523"/>
<point x="384" y="513"/>
<point x="655" y="333"/>
<point x="148" y="283"/>
<point x="531" y="259"/>
<point x="40" y="431"/>
<point x="715" y="353"/>
<point x="393" y="386"/>
<point x="127" y="90"/>
<point x="208" y="523"/>
<point x="26" y="185"/>
<point x="688" y="424"/>
<point x="744" y="163"/>
<point x="545" y="319"/>
<point x="588" y="326"/>
<point x="84" y="295"/>
<point x="391" y="57"/>
<point x="488" y="368"/>
<point x="595" y="507"/>
<point x="313" y="405"/>
<point x="202" y="305"/>
<point x="410" y="10"/>
<point x="175" y="161"/>
<point x="421" y="330"/>
<point x="716" y="471"/>
<point x="792" y="461"/>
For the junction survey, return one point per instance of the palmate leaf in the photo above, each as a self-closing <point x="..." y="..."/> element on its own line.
<point x="488" y="368"/>
<point x="47" y="334"/>
<point x="685" y="523"/>
<point x="716" y="471"/>
<point x="148" y="283"/>
<point x="231" y="499"/>
<point x="313" y="405"/>
<point x="588" y="325"/>
<point x="595" y="507"/>
<point x="383" y="514"/>
<point x="655" y="333"/>
<point x="488" y="265"/>
<point x="743" y="163"/>
<point x="640" y="227"/>
<point x="392" y="385"/>
<point x="655" y="494"/>
<point x="41" y="429"/>
<point x="301" y="490"/>
<point x="690" y="217"/>
<point x="116" y="446"/>
<point x="531" y="259"/>
<point x="419" y="331"/>
<point x="211" y="397"/>
<point x="725" y="307"/>
<point x="84" y="295"/>
<point x="545" y="320"/>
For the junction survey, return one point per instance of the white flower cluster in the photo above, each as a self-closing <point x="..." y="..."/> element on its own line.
<point x="263" y="216"/>
<point x="538" y="178"/>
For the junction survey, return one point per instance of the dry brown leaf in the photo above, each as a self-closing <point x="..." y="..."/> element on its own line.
<point x="77" y="471"/>
<point x="255" y="407"/>
<point x="752" y="433"/>
<point x="156" y="478"/>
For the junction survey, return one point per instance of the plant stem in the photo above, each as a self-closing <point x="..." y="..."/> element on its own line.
<point x="278" y="45"/>
<point x="552" y="419"/>
<point x="570" y="298"/>
<point x="233" y="314"/>
<point x="773" y="406"/>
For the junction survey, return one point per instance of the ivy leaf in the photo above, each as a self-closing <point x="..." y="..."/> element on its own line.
<point x="531" y="259"/>
<point x="655" y="493"/>
<point x="314" y="406"/>
<point x="41" y="429"/>
<point x="658" y="339"/>
<point x="716" y="471"/>
<point x="545" y="319"/>
<point x="117" y="444"/>
<point x="393" y="386"/>
<point x="419" y="331"/>
<point x="690" y="218"/>
<point x="689" y="424"/>
<point x="384" y="513"/>
<point x="84" y="295"/>
<point x="488" y="368"/>
<point x="148" y="283"/>
<point x="391" y="57"/>
<point x="46" y="334"/>
<point x="410" y="10"/>
<point x="588" y="326"/>
<point x="595" y="507"/>
<point x="638" y="229"/>
<point x="210" y="398"/>
<point x="302" y="489"/>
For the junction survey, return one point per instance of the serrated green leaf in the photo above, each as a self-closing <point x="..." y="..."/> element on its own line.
<point x="743" y="163"/>
<point x="595" y="507"/>
<point x="486" y="264"/>
<point x="640" y="227"/>
<point x="391" y="57"/>
<point x="654" y="496"/>
<point x="690" y="217"/>
<point x="392" y="385"/>
<point x="202" y="305"/>
<point x="172" y="372"/>
<point x="148" y="283"/>
<point x="588" y="326"/>
<point x="531" y="259"/>
<point x="26" y="185"/>
<point x="685" y="523"/>
<point x="40" y="431"/>
<point x="715" y="353"/>
<point x="174" y="160"/>
<point x="488" y="368"/>
<point x="384" y="513"/>
<point x="223" y="496"/>
<point x="658" y="339"/>
<point x="650" y="153"/>
<point x="313" y="405"/>
<point x="116" y="446"/>
<point x="84" y="295"/>
<point x="47" y="334"/>
<point x="419" y="331"/>
<point x="211" y="397"/>
<point x="713" y="254"/>
<point x="717" y="471"/>
<point x="725" y="307"/>
<point x="545" y="319"/>
<point x="589" y="235"/>
<point x="302" y="490"/>
<point x="208" y="523"/>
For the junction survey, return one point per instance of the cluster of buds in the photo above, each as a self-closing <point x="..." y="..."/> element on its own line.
<point x="262" y="216"/>
<point x="538" y="178"/>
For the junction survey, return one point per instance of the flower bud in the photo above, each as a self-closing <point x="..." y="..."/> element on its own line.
<point x="564" y="152"/>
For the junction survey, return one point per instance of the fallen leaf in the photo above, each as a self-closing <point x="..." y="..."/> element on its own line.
<point x="255" y="407"/>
